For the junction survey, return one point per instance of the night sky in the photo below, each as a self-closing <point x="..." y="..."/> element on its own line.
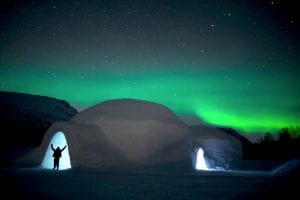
<point x="228" y="63"/>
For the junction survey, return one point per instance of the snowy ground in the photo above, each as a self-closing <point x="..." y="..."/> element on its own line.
<point x="79" y="184"/>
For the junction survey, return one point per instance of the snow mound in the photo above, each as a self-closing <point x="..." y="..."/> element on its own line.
<point x="26" y="117"/>
<point x="287" y="167"/>
<point x="220" y="148"/>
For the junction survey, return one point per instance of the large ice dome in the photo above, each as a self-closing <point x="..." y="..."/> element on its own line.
<point x="122" y="132"/>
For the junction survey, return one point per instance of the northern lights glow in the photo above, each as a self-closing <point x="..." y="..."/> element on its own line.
<point x="266" y="105"/>
<point x="229" y="64"/>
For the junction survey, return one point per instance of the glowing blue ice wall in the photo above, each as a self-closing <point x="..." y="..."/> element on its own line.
<point x="58" y="139"/>
<point x="198" y="159"/>
<point x="200" y="163"/>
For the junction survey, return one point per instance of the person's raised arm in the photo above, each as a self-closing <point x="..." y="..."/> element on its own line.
<point x="52" y="147"/>
<point x="64" y="148"/>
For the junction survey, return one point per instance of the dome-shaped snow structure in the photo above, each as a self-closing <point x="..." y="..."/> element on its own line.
<point x="122" y="132"/>
<point x="220" y="148"/>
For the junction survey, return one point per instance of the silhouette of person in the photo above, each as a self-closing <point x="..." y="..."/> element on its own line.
<point x="57" y="155"/>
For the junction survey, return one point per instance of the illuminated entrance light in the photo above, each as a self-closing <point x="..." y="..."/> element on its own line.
<point x="200" y="160"/>
<point x="58" y="140"/>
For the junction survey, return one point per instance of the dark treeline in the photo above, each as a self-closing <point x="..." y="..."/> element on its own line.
<point x="285" y="146"/>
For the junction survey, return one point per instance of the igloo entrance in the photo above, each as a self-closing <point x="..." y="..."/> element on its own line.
<point x="58" y="140"/>
<point x="199" y="162"/>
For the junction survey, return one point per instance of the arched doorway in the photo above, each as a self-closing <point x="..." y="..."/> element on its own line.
<point x="199" y="162"/>
<point x="58" y="139"/>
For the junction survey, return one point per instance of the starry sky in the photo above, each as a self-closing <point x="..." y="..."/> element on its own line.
<point x="223" y="62"/>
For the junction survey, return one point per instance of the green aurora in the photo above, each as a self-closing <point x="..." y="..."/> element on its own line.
<point x="226" y="63"/>
<point x="248" y="100"/>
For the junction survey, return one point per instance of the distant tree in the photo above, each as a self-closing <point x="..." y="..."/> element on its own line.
<point x="294" y="132"/>
<point x="284" y="135"/>
<point x="286" y="146"/>
<point x="268" y="138"/>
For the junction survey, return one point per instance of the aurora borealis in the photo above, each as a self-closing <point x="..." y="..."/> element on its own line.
<point x="229" y="63"/>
